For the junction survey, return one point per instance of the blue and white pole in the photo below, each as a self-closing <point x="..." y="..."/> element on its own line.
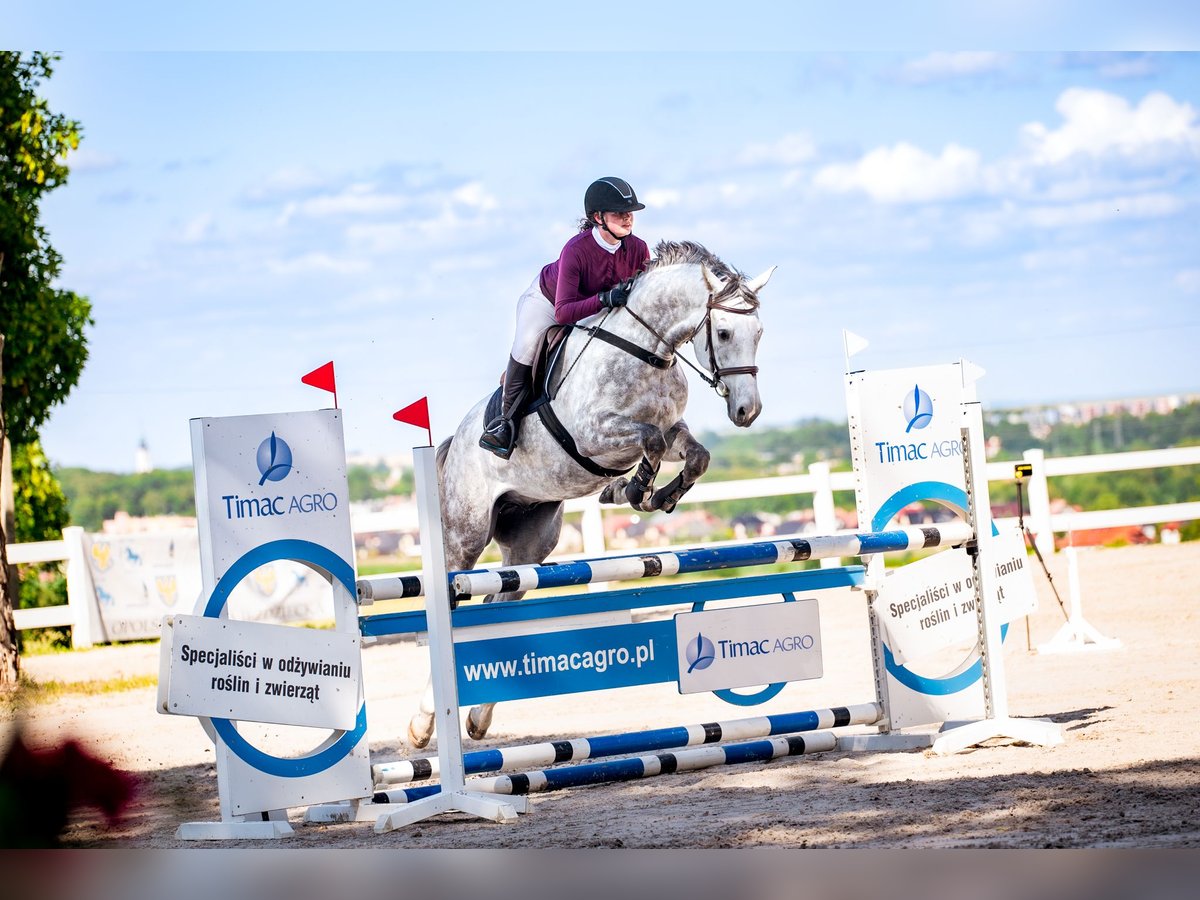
<point x="681" y="562"/>
<point x="630" y="769"/>
<point x="551" y="753"/>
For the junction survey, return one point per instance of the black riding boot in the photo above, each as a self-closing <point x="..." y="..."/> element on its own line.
<point x="500" y="434"/>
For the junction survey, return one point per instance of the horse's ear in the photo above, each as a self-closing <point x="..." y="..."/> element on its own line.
<point x="761" y="281"/>
<point x="711" y="279"/>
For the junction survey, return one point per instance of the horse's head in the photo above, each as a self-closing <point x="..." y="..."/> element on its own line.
<point x="728" y="341"/>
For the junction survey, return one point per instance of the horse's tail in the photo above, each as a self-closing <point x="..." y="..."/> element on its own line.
<point x="443" y="451"/>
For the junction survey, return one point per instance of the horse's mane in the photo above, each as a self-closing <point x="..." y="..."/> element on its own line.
<point x="674" y="253"/>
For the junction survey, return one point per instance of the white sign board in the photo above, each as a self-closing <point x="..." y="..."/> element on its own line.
<point x="748" y="645"/>
<point x="253" y="672"/>
<point x="929" y="605"/>
<point x="270" y="478"/>
<point x="905" y="436"/>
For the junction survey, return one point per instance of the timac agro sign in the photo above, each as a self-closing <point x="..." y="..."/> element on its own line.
<point x="269" y="478"/>
<point x="748" y="645"/>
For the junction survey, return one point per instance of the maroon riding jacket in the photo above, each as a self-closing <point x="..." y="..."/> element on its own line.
<point x="584" y="269"/>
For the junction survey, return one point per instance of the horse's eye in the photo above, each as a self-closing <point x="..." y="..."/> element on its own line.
<point x="722" y="334"/>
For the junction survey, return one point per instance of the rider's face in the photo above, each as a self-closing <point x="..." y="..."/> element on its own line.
<point x="619" y="224"/>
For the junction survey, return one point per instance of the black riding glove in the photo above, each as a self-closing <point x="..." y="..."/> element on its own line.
<point x="614" y="297"/>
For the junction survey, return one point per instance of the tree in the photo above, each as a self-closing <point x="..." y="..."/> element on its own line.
<point x="45" y="347"/>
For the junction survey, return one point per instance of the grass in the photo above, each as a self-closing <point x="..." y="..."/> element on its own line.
<point x="29" y="692"/>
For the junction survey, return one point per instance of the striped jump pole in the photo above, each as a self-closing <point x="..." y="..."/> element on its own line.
<point x="681" y="562"/>
<point x="630" y="769"/>
<point x="552" y="752"/>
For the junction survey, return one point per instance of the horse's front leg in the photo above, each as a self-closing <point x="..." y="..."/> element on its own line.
<point x="629" y="433"/>
<point x="681" y="445"/>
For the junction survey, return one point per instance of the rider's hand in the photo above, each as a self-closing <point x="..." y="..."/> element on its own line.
<point x="614" y="297"/>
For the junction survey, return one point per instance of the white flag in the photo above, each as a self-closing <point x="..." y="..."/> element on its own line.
<point x="854" y="343"/>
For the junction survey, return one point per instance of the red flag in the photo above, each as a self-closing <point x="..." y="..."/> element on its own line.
<point x="416" y="414"/>
<point x="323" y="378"/>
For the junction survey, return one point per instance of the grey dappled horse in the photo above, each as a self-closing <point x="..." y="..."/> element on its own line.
<point x="621" y="405"/>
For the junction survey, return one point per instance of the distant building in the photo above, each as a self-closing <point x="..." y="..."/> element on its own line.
<point x="141" y="459"/>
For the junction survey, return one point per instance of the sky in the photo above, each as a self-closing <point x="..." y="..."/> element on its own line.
<point x="244" y="209"/>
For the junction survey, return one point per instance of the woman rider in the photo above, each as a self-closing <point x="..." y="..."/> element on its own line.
<point x="589" y="275"/>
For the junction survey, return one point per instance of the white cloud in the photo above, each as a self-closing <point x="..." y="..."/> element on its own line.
<point x="789" y="150"/>
<point x="1188" y="281"/>
<point x="1144" y="206"/>
<point x="947" y="66"/>
<point x="312" y="263"/>
<point x="87" y="160"/>
<point x="197" y="229"/>
<point x="1097" y="124"/>
<point x="905" y="174"/>
<point x="285" y="182"/>
<point x="354" y="200"/>
<point x="662" y="198"/>
<point x="474" y="195"/>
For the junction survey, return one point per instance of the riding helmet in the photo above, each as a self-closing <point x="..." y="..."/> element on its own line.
<point x="610" y="194"/>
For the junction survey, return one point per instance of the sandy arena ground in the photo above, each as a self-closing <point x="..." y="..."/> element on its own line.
<point x="1128" y="774"/>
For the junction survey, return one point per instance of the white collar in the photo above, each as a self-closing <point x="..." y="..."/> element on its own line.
<point x="611" y="248"/>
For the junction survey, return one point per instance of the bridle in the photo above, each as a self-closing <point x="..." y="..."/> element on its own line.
<point x="715" y="371"/>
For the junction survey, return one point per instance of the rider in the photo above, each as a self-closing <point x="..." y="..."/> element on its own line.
<point x="591" y="273"/>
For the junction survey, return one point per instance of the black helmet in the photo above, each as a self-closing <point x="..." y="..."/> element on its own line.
<point x="610" y="194"/>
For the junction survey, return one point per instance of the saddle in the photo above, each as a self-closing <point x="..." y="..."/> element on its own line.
<point x="545" y="362"/>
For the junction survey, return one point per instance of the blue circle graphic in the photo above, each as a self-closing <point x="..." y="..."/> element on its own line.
<point x="918" y="409"/>
<point x="956" y="498"/>
<point x="336" y="749"/>
<point x="700" y="653"/>
<point x="762" y="696"/>
<point x="274" y="459"/>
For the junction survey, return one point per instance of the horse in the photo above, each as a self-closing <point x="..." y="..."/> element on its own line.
<point x="617" y="397"/>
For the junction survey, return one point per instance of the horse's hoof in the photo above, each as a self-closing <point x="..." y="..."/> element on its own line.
<point x="478" y="730"/>
<point x="419" y="737"/>
<point x="611" y="491"/>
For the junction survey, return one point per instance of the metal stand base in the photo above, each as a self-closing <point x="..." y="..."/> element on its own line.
<point x="233" y="831"/>
<point x="894" y="740"/>
<point x="485" y="806"/>
<point x="1076" y="636"/>
<point x="1041" y="732"/>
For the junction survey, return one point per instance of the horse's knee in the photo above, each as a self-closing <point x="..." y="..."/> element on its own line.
<point x="655" y="445"/>
<point x="696" y="463"/>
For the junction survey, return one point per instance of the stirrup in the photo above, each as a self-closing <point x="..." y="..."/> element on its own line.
<point x="493" y="438"/>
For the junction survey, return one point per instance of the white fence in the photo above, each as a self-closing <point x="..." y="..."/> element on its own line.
<point x="80" y="611"/>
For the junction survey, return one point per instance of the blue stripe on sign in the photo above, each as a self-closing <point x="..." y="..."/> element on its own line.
<point x="565" y="662"/>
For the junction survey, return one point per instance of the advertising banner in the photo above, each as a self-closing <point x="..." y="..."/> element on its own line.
<point x="748" y="645"/>
<point x="929" y="605"/>
<point x="260" y="673"/>
<point x="139" y="578"/>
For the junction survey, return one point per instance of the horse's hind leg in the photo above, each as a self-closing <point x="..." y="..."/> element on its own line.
<point x="526" y="534"/>
<point x="682" y="445"/>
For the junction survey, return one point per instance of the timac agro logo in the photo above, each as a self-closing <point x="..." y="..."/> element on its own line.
<point x="918" y="409"/>
<point x="274" y="459"/>
<point x="700" y="653"/>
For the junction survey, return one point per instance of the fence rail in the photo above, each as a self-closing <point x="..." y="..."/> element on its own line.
<point x="81" y="614"/>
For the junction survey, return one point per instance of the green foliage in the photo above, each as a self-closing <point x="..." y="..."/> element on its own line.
<point x="375" y="482"/>
<point x="96" y="496"/>
<point x="45" y="347"/>
<point x="40" y="505"/>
